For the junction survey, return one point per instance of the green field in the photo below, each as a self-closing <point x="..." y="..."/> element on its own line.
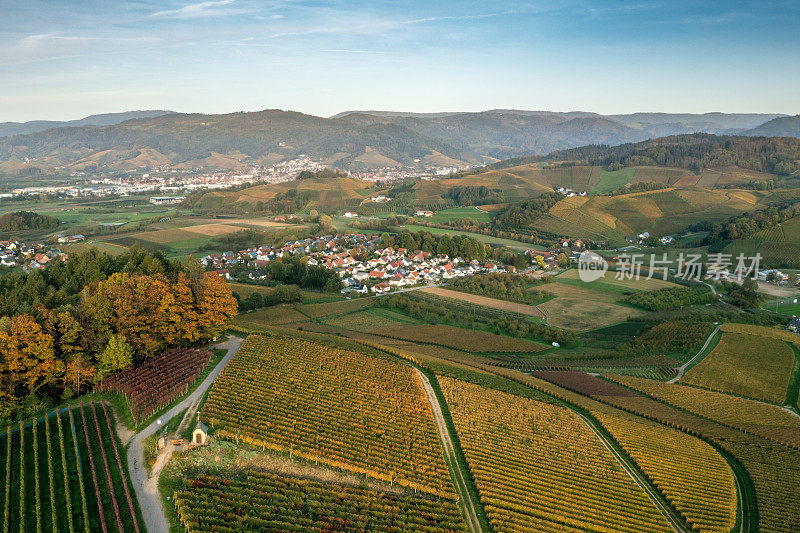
<point x="470" y="212"/>
<point x="611" y="181"/>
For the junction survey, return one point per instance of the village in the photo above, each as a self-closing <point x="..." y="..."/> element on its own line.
<point x="359" y="260"/>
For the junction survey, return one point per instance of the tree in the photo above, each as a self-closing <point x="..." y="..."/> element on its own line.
<point x="793" y="279"/>
<point x="27" y="357"/>
<point x="563" y="260"/>
<point x="215" y="305"/>
<point x="117" y="356"/>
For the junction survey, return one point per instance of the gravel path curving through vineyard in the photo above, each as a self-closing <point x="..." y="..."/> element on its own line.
<point x="147" y="489"/>
<point x="459" y="478"/>
<point x="682" y="369"/>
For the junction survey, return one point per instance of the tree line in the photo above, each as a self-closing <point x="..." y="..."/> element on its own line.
<point x="66" y="327"/>
<point x="25" y="220"/>
<point x="696" y="151"/>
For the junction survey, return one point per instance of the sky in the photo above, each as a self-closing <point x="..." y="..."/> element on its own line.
<point x="68" y="59"/>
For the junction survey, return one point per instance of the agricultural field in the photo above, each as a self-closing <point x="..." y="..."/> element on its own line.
<point x="373" y="320"/>
<point x="660" y="212"/>
<point x="578" y="306"/>
<point x="360" y="413"/>
<point x="690" y="472"/>
<point x="779" y="246"/>
<point x="767" y="421"/>
<point x="458" y="213"/>
<point x="538" y="466"/>
<point x="462" y="339"/>
<point x="755" y="365"/>
<point x="273" y="502"/>
<point x="772" y="467"/>
<point x="67" y="472"/>
<point x="484" y="301"/>
<point x="158" y="381"/>
<point x="275" y="315"/>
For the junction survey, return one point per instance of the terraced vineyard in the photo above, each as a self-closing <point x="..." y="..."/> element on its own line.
<point x="365" y="414"/>
<point x="756" y="364"/>
<point x="65" y="472"/>
<point x="269" y="502"/>
<point x="538" y="467"/>
<point x="691" y="473"/>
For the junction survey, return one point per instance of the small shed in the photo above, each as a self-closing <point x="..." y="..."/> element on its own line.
<point x="200" y="434"/>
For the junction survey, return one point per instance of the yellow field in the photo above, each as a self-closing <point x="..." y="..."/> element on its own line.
<point x="212" y="230"/>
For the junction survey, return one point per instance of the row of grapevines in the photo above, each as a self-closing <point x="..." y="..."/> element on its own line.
<point x="159" y="380"/>
<point x="689" y="472"/>
<point x="270" y="502"/>
<point x="46" y="473"/>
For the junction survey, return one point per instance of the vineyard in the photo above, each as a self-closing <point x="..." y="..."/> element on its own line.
<point x="158" y="381"/>
<point x="766" y="421"/>
<point x="771" y="467"/>
<point x="748" y="365"/>
<point x="365" y="414"/>
<point x="462" y="339"/>
<point x="269" y="502"/>
<point x="66" y="472"/>
<point x="538" y="467"/>
<point x="689" y="472"/>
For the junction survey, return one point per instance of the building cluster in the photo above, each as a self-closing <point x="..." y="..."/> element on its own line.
<point x="569" y="193"/>
<point x="29" y="255"/>
<point x="359" y="260"/>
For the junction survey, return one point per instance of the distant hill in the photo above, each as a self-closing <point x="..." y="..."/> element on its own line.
<point x="17" y="128"/>
<point x="225" y="141"/>
<point x="350" y="140"/>
<point x="777" y="127"/>
<point x="326" y="189"/>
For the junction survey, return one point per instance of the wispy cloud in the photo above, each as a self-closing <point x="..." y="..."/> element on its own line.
<point x="350" y="51"/>
<point x="200" y="9"/>
<point x="372" y="26"/>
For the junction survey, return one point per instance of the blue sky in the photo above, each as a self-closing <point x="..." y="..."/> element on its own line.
<point x="62" y="60"/>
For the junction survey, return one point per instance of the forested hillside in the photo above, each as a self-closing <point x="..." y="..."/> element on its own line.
<point x="777" y="155"/>
<point x="72" y="323"/>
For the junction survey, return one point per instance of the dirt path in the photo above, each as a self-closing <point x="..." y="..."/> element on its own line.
<point x="147" y="489"/>
<point x="682" y="369"/>
<point x="675" y="522"/>
<point x="457" y="474"/>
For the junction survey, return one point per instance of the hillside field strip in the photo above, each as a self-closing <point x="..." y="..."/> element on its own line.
<point x="484" y="301"/>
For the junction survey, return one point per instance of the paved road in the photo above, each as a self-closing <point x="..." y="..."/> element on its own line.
<point x="459" y="479"/>
<point x="677" y="525"/>
<point x="147" y="489"/>
<point x="682" y="369"/>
